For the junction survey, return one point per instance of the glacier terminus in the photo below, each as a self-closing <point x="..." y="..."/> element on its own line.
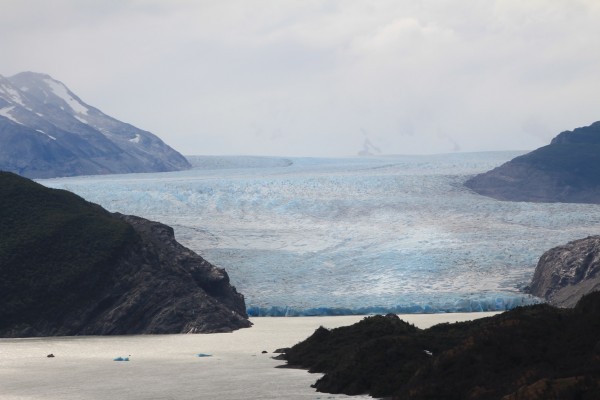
<point x="314" y="236"/>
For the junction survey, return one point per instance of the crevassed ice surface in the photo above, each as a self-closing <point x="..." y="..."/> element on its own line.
<point x="302" y="236"/>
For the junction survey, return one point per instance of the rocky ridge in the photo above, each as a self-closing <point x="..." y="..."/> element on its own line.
<point x="567" y="170"/>
<point x="69" y="267"/>
<point x="565" y="273"/>
<point x="47" y="131"/>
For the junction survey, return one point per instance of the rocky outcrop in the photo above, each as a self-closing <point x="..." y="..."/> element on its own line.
<point x="160" y="286"/>
<point x="69" y="267"/>
<point x="567" y="170"/>
<point x="565" y="273"/>
<point x="528" y="353"/>
<point x="47" y="131"/>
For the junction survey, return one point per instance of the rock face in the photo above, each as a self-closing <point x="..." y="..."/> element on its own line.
<point x="567" y="170"/>
<point x="69" y="267"/>
<point x="528" y="353"/>
<point x="565" y="273"/>
<point x="47" y="131"/>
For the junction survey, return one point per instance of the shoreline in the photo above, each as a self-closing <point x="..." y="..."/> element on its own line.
<point x="168" y="366"/>
<point x="301" y="328"/>
<point x="421" y="320"/>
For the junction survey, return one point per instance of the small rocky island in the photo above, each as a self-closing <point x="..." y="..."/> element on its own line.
<point x="567" y="170"/>
<point x="69" y="267"/>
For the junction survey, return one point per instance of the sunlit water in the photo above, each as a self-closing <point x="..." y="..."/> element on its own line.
<point x="165" y="367"/>
<point x="357" y="235"/>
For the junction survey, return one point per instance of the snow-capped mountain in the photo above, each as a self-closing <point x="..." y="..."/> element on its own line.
<point x="47" y="131"/>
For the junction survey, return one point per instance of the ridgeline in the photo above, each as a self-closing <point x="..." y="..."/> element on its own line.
<point x="567" y="170"/>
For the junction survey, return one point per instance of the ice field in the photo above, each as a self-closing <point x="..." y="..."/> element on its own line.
<point x="304" y="236"/>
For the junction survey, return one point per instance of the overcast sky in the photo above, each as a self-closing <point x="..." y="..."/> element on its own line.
<point x="317" y="77"/>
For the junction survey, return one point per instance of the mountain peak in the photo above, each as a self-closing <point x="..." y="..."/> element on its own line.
<point x="44" y="88"/>
<point x="46" y="130"/>
<point x="30" y="75"/>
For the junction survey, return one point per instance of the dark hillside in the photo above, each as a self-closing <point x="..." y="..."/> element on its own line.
<point x="52" y="240"/>
<point x="536" y="352"/>
<point x="567" y="170"/>
<point x="66" y="263"/>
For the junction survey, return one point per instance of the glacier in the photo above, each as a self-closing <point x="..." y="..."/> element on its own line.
<point x="358" y="235"/>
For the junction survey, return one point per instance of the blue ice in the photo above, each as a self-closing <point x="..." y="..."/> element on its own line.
<point x="307" y="236"/>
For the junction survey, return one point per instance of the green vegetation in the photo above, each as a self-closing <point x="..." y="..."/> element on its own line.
<point x="54" y="249"/>
<point x="536" y="352"/>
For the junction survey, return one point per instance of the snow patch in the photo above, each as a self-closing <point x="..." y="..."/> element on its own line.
<point x="80" y="119"/>
<point x="61" y="91"/>
<point x="50" y="136"/>
<point x="14" y="95"/>
<point x="136" y="139"/>
<point x="5" y="112"/>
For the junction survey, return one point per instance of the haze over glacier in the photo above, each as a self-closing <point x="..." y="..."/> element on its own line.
<point x="357" y="235"/>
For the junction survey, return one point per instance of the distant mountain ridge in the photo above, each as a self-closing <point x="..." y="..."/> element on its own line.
<point x="567" y="170"/>
<point x="48" y="131"/>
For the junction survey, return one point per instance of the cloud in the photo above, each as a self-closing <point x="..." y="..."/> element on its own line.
<point x="303" y="77"/>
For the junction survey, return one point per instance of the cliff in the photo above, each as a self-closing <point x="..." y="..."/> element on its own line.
<point x="528" y="353"/>
<point x="565" y="273"/>
<point x="47" y="131"/>
<point x="69" y="267"/>
<point x="567" y="170"/>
